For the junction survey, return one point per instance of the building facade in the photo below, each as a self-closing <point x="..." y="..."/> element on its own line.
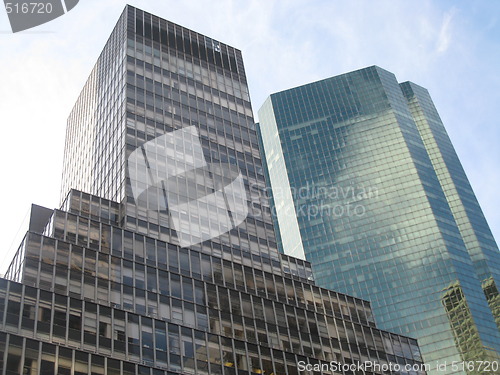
<point x="168" y="263"/>
<point x="364" y="175"/>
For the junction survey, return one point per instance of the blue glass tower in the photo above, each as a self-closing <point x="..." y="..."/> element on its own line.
<point x="366" y="186"/>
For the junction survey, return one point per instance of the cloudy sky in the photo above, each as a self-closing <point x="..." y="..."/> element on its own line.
<point x="450" y="47"/>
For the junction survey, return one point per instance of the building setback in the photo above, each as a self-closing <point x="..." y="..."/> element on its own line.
<point x="367" y="186"/>
<point x="162" y="258"/>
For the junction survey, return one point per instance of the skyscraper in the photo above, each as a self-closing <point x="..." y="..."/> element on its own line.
<point x="167" y="263"/>
<point x="366" y="186"/>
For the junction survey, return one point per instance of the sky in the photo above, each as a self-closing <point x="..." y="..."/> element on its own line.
<point x="450" y="47"/>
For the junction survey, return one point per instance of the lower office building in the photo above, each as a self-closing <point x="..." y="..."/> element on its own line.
<point x="85" y="296"/>
<point x="367" y="186"/>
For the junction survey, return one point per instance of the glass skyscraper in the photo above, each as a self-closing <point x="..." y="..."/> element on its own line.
<point x="366" y="186"/>
<point x="162" y="258"/>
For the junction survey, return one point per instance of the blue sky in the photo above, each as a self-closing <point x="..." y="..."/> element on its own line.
<point x="450" y="47"/>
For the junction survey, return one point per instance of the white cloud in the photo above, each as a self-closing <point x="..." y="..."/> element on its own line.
<point x="445" y="32"/>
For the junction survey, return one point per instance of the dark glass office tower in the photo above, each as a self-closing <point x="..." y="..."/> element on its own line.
<point x="169" y="265"/>
<point x="364" y="176"/>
